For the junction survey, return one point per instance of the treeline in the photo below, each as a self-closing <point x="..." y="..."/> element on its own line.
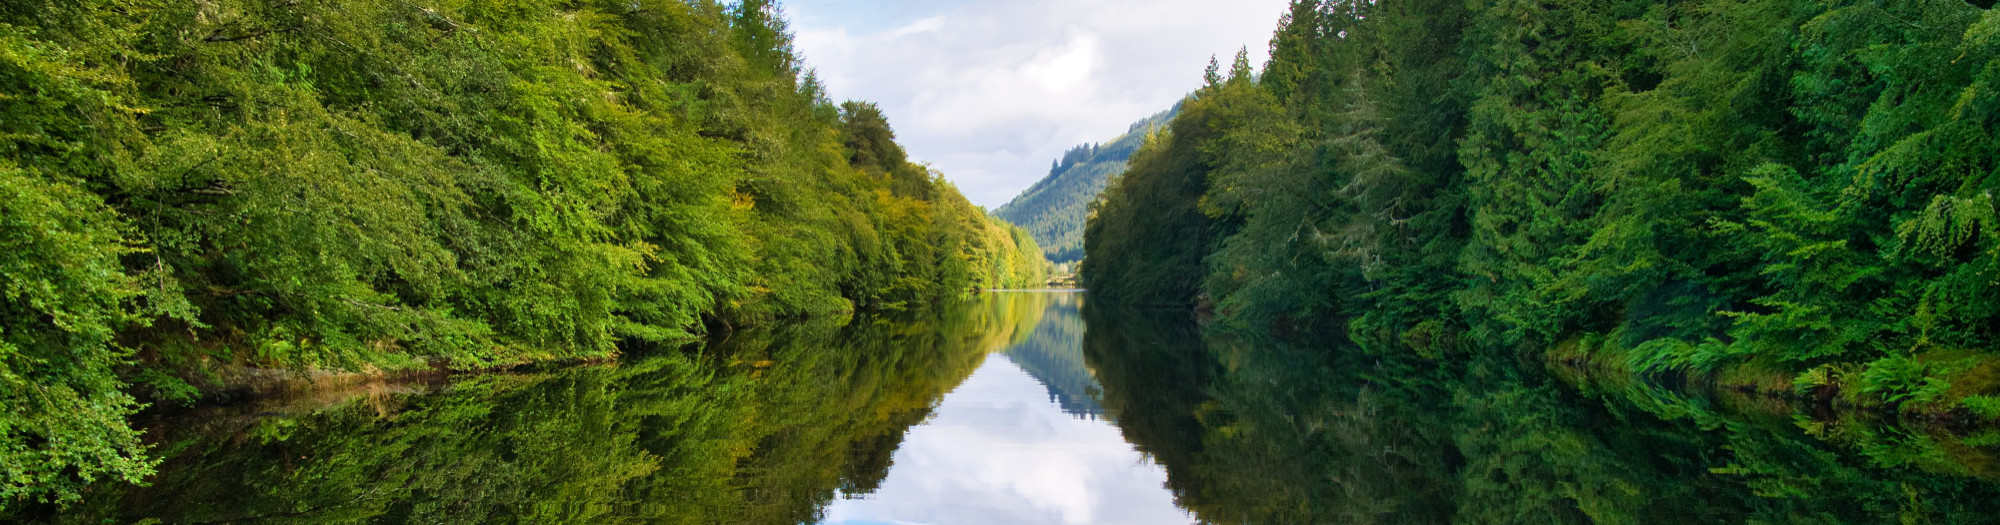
<point x="1054" y="209"/>
<point x="192" y="187"/>
<point x="1786" y="194"/>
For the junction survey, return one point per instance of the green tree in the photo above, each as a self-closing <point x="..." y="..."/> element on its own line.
<point x="373" y="186"/>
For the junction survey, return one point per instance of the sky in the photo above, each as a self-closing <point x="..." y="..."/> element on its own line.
<point x="990" y="92"/>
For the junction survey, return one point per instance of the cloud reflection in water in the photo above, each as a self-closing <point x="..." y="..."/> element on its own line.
<point x="999" y="451"/>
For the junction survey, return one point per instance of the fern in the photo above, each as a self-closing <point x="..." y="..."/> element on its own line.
<point x="1899" y="379"/>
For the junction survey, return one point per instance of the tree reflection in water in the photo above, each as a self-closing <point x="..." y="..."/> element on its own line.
<point x="1254" y="430"/>
<point x="773" y="424"/>
<point x="766" y="427"/>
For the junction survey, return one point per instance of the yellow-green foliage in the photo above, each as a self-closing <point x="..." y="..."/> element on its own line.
<point x="386" y="184"/>
<point x="61" y="299"/>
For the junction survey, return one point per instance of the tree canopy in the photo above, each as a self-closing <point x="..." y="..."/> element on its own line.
<point x="190" y="188"/>
<point x="1751" y="188"/>
<point x="1054" y="208"/>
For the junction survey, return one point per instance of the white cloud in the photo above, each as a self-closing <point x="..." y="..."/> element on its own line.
<point x="990" y="92"/>
<point x="927" y="25"/>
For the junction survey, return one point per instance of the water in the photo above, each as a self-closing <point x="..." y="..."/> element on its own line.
<point x="999" y="451"/>
<point x="1038" y="408"/>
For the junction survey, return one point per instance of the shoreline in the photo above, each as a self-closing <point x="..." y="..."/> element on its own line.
<point x="1828" y="413"/>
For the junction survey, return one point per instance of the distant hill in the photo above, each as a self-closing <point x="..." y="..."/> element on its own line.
<point x="1053" y="209"/>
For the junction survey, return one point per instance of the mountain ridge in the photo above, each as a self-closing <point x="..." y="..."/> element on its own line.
<point x="1053" y="208"/>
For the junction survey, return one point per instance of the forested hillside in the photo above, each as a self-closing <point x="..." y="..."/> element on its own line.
<point x="192" y="187"/>
<point x="1053" y="209"/>
<point x="1784" y="194"/>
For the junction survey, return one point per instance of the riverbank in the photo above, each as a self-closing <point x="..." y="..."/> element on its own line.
<point x="1946" y="387"/>
<point x="1942" y="436"/>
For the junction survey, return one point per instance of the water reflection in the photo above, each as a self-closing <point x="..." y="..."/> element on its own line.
<point x="1053" y="354"/>
<point x="1019" y="443"/>
<point x="1042" y="408"/>
<point x="767" y="427"/>
<point x="1255" y="430"/>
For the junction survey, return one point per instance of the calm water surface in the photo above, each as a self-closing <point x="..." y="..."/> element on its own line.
<point x="1022" y="440"/>
<point x="1023" y="408"/>
<point x="999" y="451"/>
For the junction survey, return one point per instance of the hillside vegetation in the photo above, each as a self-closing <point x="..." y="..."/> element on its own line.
<point x="188" y="188"/>
<point x="1790" y="195"/>
<point x="1053" y="209"/>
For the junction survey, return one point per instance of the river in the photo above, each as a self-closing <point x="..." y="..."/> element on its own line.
<point x="1035" y="407"/>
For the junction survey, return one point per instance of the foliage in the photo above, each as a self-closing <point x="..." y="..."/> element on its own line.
<point x="1054" y="208"/>
<point x="1984" y="406"/>
<point x="61" y="299"/>
<point x="1897" y="379"/>
<point x="195" y="187"/>
<point x="1147" y="224"/>
<point x="1700" y="185"/>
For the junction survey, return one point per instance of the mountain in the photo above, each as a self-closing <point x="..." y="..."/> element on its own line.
<point x="1053" y="209"/>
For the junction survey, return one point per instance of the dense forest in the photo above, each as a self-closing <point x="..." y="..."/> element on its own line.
<point x="1784" y="195"/>
<point x="1054" y="208"/>
<point x="193" y="188"/>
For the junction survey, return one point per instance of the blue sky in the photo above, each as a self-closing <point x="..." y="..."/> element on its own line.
<point x="990" y="92"/>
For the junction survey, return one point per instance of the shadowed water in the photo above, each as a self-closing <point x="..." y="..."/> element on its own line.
<point x="1041" y="408"/>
